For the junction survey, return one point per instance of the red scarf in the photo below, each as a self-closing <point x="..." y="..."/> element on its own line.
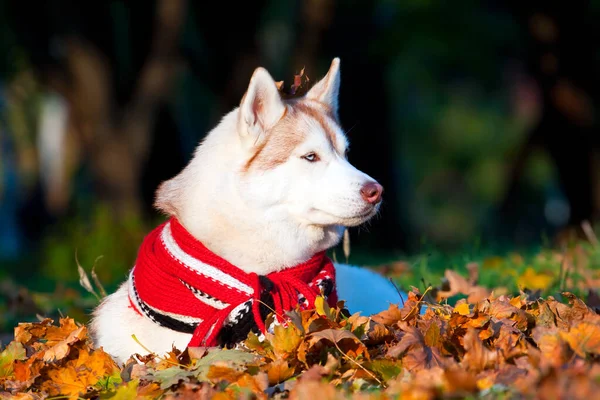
<point x="177" y="282"/>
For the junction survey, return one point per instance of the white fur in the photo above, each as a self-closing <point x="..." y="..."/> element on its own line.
<point x="260" y="221"/>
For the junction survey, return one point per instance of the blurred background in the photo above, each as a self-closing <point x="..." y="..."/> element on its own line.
<point x="478" y="117"/>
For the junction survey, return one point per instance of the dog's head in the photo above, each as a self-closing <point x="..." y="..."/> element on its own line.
<point x="281" y="163"/>
<point x="296" y="155"/>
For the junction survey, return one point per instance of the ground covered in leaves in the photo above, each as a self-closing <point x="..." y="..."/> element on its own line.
<point x="460" y="338"/>
<point x="497" y="347"/>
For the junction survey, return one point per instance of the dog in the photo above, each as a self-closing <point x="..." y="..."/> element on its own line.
<point x="266" y="193"/>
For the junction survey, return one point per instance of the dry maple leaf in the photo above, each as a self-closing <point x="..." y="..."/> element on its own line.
<point x="378" y="334"/>
<point x="285" y="340"/>
<point x="477" y="357"/>
<point x="414" y="352"/>
<point x="29" y="332"/>
<point x="554" y="351"/>
<point x="67" y="381"/>
<point x="460" y="285"/>
<point x="333" y="335"/>
<point x="388" y="317"/>
<point x="223" y="372"/>
<point x="279" y="371"/>
<point x="56" y="334"/>
<point x="257" y="384"/>
<point x="61" y="349"/>
<point x="583" y="338"/>
<point x="77" y="375"/>
<point x="344" y="341"/>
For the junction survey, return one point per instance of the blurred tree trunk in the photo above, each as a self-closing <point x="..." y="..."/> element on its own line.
<point x="117" y="141"/>
<point x="114" y="81"/>
<point x="561" y="59"/>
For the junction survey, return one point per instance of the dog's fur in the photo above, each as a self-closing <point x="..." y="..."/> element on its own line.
<point x="252" y="197"/>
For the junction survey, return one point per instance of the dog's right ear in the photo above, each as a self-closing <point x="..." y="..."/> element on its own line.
<point x="261" y="107"/>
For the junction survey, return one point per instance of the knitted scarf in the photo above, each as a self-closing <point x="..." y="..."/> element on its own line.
<point x="179" y="284"/>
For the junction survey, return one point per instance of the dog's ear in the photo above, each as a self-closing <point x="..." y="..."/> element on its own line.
<point x="261" y="106"/>
<point x="327" y="89"/>
<point x="168" y="196"/>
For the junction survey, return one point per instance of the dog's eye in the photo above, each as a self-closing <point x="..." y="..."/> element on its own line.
<point x="311" y="157"/>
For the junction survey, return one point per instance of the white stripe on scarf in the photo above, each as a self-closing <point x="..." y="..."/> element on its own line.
<point x="198" y="266"/>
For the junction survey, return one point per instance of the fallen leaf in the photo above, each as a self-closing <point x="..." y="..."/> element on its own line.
<point x="322" y="307"/>
<point x="388" y="317"/>
<point x="460" y="285"/>
<point x="533" y="280"/>
<point x="477" y="357"/>
<point x="61" y="349"/>
<point x="462" y="309"/>
<point x="13" y="352"/>
<point x="414" y="353"/>
<point x="333" y="335"/>
<point x="583" y="338"/>
<point x="222" y="372"/>
<point x="285" y="341"/>
<point x="279" y="371"/>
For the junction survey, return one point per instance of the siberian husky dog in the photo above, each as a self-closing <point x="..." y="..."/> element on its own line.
<point x="269" y="189"/>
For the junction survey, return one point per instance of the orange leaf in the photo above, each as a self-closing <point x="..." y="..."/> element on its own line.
<point x="583" y="338"/>
<point x="279" y="371"/>
<point x="217" y="373"/>
<point x="477" y="356"/>
<point x="61" y="349"/>
<point x="66" y="381"/>
<point x="77" y="375"/>
<point x="389" y="316"/>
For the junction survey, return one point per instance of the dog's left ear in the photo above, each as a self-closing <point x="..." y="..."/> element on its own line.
<point x="261" y="107"/>
<point x="328" y="88"/>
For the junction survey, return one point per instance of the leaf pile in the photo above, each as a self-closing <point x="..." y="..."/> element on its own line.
<point x="47" y="360"/>
<point x="510" y="347"/>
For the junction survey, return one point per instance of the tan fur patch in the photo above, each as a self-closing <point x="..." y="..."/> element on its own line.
<point x="320" y="113"/>
<point x="289" y="132"/>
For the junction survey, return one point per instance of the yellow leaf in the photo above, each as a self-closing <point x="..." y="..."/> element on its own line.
<point x="485" y="383"/>
<point x="127" y="391"/>
<point x="285" y="340"/>
<point x="322" y="307"/>
<point x="462" y="309"/>
<point x="533" y="280"/>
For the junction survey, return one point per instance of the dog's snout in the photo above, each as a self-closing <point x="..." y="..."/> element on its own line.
<point x="372" y="192"/>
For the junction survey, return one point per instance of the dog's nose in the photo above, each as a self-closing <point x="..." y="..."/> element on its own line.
<point x="372" y="192"/>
